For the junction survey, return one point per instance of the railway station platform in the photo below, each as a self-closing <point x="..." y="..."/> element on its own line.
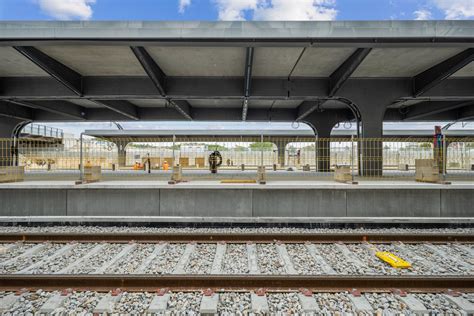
<point x="276" y="199"/>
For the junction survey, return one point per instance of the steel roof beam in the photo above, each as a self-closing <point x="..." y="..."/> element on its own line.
<point x="124" y="108"/>
<point x="11" y="110"/>
<point x="306" y="108"/>
<point x="247" y="81"/>
<point x="122" y="88"/>
<point x="341" y="74"/>
<point x="158" y="77"/>
<point x="65" y="75"/>
<point x="434" y="75"/>
<point x="183" y="107"/>
<point x="422" y="110"/>
<point x="152" y="69"/>
<point x="466" y="113"/>
<point x="62" y="108"/>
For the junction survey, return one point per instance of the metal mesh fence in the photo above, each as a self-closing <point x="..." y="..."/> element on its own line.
<point x="284" y="157"/>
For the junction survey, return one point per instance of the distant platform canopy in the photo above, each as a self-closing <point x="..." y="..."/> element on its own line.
<point x="314" y="72"/>
<point x="142" y="135"/>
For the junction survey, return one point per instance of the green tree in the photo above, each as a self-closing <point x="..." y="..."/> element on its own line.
<point x="142" y="146"/>
<point x="265" y="146"/>
<point x="217" y="147"/>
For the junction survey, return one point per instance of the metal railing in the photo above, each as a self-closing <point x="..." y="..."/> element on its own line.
<point x="283" y="157"/>
<point x="42" y="130"/>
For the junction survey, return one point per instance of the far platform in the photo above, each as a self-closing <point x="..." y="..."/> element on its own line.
<point x="280" y="199"/>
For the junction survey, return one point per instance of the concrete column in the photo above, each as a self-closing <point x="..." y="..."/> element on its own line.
<point x="323" y="153"/>
<point x="372" y="98"/>
<point x="122" y="153"/>
<point x="371" y="145"/>
<point x="322" y="124"/>
<point x="281" y="148"/>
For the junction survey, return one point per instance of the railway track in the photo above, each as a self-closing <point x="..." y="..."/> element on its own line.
<point x="236" y="271"/>
<point x="326" y="283"/>
<point x="234" y="258"/>
<point x="239" y="237"/>
<point x="243" y="302"/>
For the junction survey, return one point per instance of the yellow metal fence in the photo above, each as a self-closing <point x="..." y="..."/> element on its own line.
<point x="290" y="157"/>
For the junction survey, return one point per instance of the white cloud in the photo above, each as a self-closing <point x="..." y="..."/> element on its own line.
<point x="422" y="14"/>
<point x="297" y="10"/>
<point x="183" y="4"/>
<point x="271" y="10"/>
<point x="456" y="9"/>
<point x="67" y="9"/>
<point x="233" y="10"/>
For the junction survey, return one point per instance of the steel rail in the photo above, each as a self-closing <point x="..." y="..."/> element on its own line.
<point x="236" y="237"/>
<point x="326" y="283"/>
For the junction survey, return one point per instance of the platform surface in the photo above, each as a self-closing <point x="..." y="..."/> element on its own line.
<point x="205" y="184"/>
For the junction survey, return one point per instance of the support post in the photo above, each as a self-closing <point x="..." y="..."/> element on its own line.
<point x="372" y="98"/>
<point x="81" y="159"/>
<point x="322" y="123"/>
<point x="322" y="130"/>
<point x="281" y="152"/>
<point x="122" y="153"/>
<point x="371" y="146"/>
<point x="323" y="154"/>
<point x="352" y="158"/>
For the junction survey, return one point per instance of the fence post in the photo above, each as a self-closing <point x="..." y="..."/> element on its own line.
<point x="174" y="158"/>
<point x="316" y="153"/>
<point x="261" y="150"/>
<point x="81" y="162"/>
<point x="352" y="158"/>
<point x="445" y="156"/>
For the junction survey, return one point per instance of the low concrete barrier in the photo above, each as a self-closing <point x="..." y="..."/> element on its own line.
<point x="208" y="202"/>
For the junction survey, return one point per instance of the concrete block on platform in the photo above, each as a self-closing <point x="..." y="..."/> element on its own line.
<point x="457" y="203"/>
<point x="98" y="202"/>
<point x="205" y="202"/>
<point x="388" y="203"/>
<point x="299" y="203"/>
<point x="12" y="174"/>
<point x="34" y="202"/>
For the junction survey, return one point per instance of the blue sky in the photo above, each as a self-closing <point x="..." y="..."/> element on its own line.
<point x="235" y="9"/>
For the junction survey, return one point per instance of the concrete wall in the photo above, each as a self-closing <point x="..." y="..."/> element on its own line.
<point x="238" y="202"/>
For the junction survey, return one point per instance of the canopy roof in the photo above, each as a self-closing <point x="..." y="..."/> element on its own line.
<point x="259" y="71"/>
